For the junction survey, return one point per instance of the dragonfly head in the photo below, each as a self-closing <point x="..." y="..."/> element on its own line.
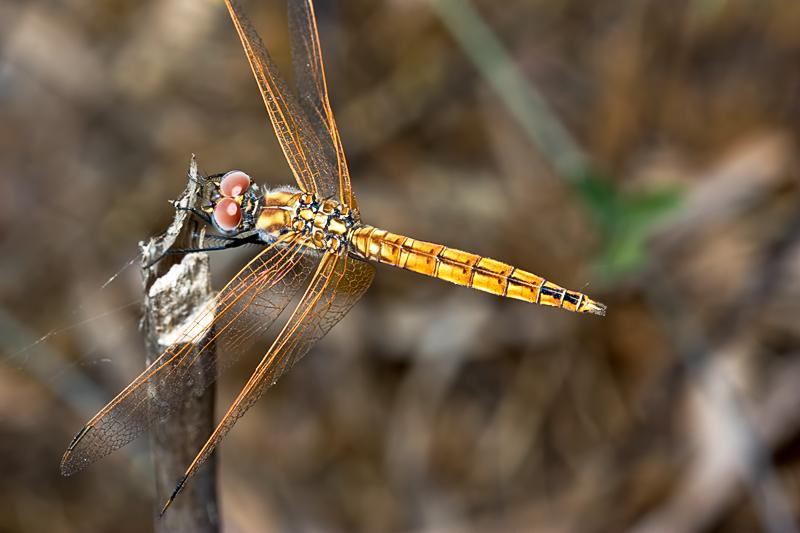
<point x="231" y="200"/>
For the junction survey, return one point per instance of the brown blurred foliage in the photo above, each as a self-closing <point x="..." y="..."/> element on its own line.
<point x="430" y="407"/>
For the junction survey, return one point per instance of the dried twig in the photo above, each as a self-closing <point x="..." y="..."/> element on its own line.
<point x="175" y="289"/>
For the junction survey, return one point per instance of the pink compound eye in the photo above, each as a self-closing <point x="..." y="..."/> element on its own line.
<point x="234" y="183"/>
<point x="227" y="214"/>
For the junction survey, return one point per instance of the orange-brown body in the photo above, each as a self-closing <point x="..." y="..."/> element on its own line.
<point x="330" y="225"/>
<point x="466" y="269"/>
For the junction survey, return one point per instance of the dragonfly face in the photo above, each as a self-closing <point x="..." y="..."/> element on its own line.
<point x="230" y="202"/>
<point x="313" y="232"/>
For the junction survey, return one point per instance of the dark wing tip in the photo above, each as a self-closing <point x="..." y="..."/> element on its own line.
<point x="172" y="498"/>
<point x="71" y="462"/>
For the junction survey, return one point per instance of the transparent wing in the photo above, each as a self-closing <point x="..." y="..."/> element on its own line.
<point x="309" y="74"/>
<point x="239" y="314"/>
<point x="338" y="284"/>
<point x="301" y="146"/>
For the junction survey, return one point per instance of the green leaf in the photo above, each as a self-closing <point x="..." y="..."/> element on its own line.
<point x="624" y="220"/>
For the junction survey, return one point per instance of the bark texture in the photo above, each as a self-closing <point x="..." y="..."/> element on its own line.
<point x="176" y="288"/>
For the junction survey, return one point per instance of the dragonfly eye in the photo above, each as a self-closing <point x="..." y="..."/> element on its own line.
<point x="234" y="183"/>
<point x="227" y="214"/>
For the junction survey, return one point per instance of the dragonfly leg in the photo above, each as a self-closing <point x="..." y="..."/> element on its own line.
<point x="232" y="243"/>
<point x="203" y="215"/>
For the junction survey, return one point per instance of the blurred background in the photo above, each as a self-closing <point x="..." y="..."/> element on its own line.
<point x="644" y="152"/>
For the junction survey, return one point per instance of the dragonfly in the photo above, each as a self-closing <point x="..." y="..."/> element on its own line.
<point x="313" y="231"/>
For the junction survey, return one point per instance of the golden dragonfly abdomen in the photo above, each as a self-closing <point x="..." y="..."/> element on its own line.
<point x="466" y="269"/>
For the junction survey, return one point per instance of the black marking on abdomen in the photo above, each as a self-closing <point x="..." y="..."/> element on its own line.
<point x="573" y="298"/>
<point x="549" y="291"/>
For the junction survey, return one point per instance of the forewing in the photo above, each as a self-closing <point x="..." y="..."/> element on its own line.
<point x="239" y="314"/>
<point x="301" y="146"/>
<point x="338" y="284"/>
<point x="312" y="88"/>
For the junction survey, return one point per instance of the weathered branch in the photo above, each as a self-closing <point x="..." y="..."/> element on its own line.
<point x="176" y="288"/>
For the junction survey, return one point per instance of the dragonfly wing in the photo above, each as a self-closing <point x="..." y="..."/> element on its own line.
<point x="232" y="322"/>
<point x="301" y="146"/>
<point x="338" y="284"/>
<point x="309" y="74"/>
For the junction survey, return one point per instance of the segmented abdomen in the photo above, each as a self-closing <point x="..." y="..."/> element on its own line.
<point x="468" y="270"/>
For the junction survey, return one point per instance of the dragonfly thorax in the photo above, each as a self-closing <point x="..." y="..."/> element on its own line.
<point x="326" y="223"/>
